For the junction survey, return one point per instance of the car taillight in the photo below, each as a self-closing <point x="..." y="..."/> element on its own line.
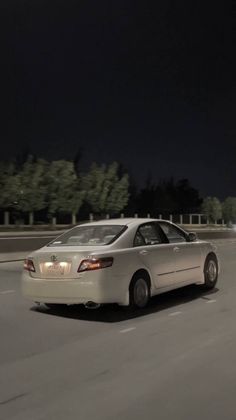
<point x="95" y="264"/>
<point x="29" y="265"/>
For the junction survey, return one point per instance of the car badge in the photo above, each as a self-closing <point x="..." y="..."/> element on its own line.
<point x="53" y="258"/>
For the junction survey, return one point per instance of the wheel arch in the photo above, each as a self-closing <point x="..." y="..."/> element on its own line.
<point x="143" y="272"/>
<point x="211" y="254"/>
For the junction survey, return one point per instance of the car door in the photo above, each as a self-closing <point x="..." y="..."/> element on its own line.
<point x="155" y="253"/>
<point x="187" y="255"/>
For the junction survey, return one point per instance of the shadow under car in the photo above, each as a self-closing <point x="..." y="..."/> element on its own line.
<point x="115" y="313"/>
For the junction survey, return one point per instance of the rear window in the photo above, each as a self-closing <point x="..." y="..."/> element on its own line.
<point x="90" y="235"/>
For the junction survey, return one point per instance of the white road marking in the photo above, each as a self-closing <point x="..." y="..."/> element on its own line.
<point x="5" y="292"/>
<point x="175" y="313"/>
<point x="127" y="330"/>
<point x="211" y="301"/>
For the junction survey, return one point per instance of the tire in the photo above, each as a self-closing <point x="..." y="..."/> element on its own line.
<point x="139" y="291"/>
<point x="210" y="272"/>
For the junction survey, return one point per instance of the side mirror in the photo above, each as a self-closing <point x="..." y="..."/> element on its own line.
<point x="192" y="236"/>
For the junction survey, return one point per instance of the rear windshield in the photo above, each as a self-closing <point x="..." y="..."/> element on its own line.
<point x="90" y="235"/>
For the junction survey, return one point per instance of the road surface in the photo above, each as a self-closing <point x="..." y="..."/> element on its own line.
<point x="174" y="360"/>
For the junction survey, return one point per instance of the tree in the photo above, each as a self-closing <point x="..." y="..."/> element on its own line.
<point x="64" y="192"/>
<point x="229" y="210"/>
<point x="32" y="193"/>
<point x="212" y="208"/>
<point x="9" y="186"/>
<point x="106" y="192"/>
<point x="187" y="197"/>
<point x="167" y="196"/>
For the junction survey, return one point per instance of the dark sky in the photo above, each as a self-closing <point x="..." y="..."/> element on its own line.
<point x="150" y="84"/>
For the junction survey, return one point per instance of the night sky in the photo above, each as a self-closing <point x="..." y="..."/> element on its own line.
<point x="150" y="84"/>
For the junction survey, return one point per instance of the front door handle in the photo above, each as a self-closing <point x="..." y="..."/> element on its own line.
<point x="176" y="249"/>
<point x="143" y="252"/>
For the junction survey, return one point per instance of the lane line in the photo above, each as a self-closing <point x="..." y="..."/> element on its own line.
<point x="175" y="313"/>
<point x="127" y="330"/>
<point x="13" y="398"/>
<point x="208" y="300"/>
<point x="5" y="292"/>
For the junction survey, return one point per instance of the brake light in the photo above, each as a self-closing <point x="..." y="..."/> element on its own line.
<point x="29" y="265"/>
<point x="95" y="264"/>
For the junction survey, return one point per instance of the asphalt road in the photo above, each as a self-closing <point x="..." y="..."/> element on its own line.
<point x="174" y="360"/>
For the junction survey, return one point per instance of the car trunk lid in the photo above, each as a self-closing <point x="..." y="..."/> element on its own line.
<point x="59" y="263"/>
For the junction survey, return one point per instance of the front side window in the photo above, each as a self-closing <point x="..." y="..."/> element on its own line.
<point x="172" y="232"/>
<point x="147" y="234"/>
<point x="90" y="235"/>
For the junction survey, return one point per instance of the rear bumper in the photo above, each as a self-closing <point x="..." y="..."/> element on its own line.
<point x="75" y="291"/>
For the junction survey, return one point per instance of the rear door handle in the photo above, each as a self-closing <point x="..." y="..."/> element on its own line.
<point x="143" y="252"/>
<point x="176" y="249"/>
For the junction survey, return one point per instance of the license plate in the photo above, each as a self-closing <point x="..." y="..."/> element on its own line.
<point x="56" y="268"/>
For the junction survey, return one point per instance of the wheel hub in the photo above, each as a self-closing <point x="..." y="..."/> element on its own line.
<point x="211" y="270"/>
<point x="141" y="293"/>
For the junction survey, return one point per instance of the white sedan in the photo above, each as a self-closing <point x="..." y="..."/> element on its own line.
<point x="124" y="261"/>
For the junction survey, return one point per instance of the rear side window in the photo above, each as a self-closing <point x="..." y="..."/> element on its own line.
<point x="90" y="235"/>
<point x="147" y="234"/>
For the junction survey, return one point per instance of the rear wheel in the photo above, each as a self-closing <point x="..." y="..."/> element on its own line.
<point x="210" y="272"/>
<point x="139" y="291"/>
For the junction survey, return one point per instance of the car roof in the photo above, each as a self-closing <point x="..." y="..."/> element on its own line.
<point x="121" y="221"/>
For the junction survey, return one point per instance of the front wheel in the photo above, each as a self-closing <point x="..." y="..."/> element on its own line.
<point x="210" y="272"/>
<point x="139" y="291"/>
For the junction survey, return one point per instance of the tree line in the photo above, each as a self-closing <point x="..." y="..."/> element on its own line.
<point x="215" y="210"/>
<point x="58" y="188"/>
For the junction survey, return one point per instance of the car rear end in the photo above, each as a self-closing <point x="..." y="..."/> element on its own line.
<point x="62" y="276"/>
